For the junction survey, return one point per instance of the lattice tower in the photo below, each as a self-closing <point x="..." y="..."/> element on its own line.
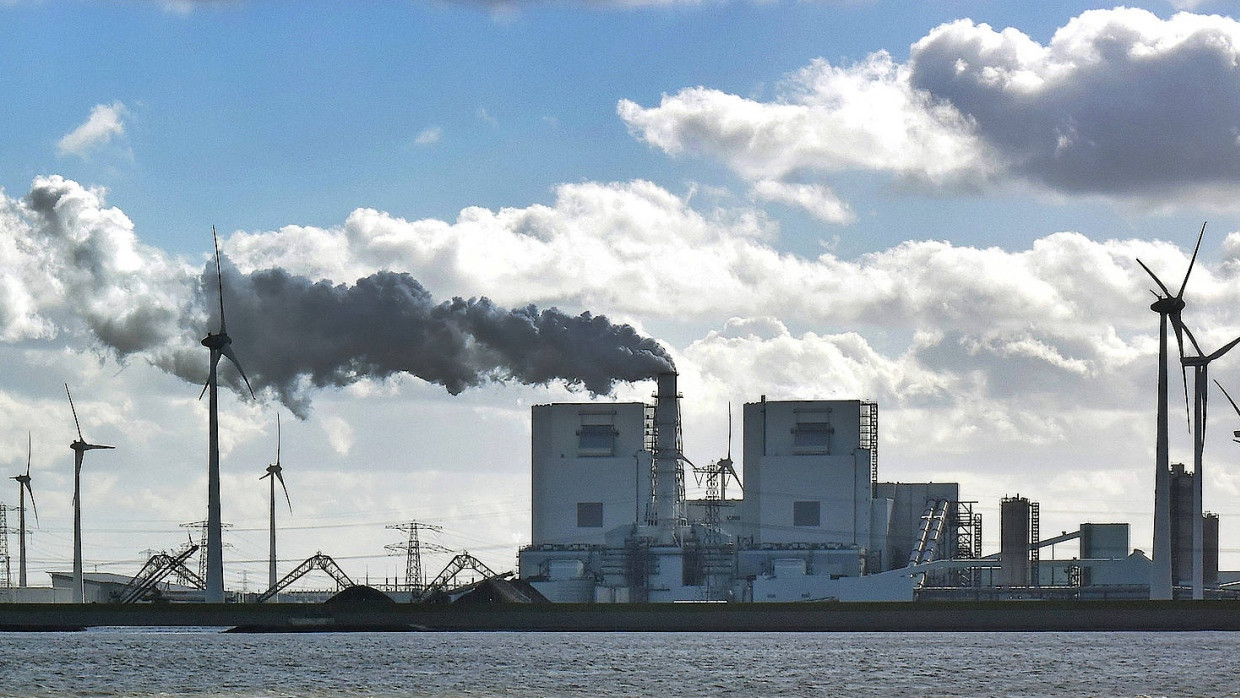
<point x="415" y="575"/>
<point x="7" y="580"/>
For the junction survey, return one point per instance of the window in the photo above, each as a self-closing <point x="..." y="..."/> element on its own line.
<point x="589" y="514"/>
<point x="597" y="434"/>
<point x="812" y="437"/>
<point x="805" y="514"/>
<point x="596" y="440"/>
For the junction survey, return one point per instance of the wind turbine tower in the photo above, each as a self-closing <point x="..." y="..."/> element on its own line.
<point x="220" y="344"/>
<point x="1169" y="308"/>
<point x="80" y="447"/>
<point x="1201" y="394"/>
<point x="274" y="472"/>
<point x="23" y="486"/>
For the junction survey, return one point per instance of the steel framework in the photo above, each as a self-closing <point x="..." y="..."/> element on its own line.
<point x="317" y="561"/>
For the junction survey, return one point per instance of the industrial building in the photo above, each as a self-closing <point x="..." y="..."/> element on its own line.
<point x="610" y="522"/>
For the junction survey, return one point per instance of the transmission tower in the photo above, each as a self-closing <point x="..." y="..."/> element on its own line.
<point x="415" y="576"/>
<point x="201" y="527"/>
<point x="7" y="580"/>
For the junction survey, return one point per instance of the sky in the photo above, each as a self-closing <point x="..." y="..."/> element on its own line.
<point x="935" y="205"/>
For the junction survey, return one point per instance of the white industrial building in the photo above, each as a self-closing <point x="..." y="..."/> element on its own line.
<point x="610" y="522"/>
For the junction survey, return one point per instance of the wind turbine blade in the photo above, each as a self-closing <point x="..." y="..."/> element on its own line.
<point x="1155" y="278"/>
<point x="1233" y="402"/>
<point x="226" y="350"/>
<point x="264" y="477"/>
<point x="1192" y="261"/>
<point x="1226" y="348"/>
<point x="729" y="431"/>
<point x="29" y="450"/>
<point x="285" y="488"/>
<point x="75" y="418"/>
<point x="33" y="506"/>
<point x="219" y="276"/>
<point x="1193" y="340"/>
<point x="1179" y="340"/>
<point x="278" y="438"/>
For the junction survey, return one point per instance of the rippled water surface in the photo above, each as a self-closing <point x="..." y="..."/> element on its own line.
<point x="202" y="662"/>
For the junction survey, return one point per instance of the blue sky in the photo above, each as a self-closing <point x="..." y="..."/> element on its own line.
<point x="258" y="115"/>
<point x="856" y="199"/>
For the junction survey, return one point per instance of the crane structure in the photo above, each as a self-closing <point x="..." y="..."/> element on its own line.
<point x="317" y="561"/>
<point x="159" y="566"/>
<point x="462" y="562"/>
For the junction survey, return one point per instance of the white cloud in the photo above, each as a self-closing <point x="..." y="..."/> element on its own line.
<point x="820" y="201"/>
<point x="1012" y="366"/>
<point x="428" y="136"/>
<point x="339" y="435"/>
<point x="105" y="123"/>
<point x="1119" y="104"/>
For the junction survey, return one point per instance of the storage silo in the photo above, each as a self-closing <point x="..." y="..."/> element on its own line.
<point x="1014" y="542"/>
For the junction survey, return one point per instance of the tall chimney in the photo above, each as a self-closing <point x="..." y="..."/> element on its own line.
<point x="668" y="485"/>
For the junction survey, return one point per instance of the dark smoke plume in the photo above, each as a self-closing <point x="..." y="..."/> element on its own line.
<point x="292" y="334"/>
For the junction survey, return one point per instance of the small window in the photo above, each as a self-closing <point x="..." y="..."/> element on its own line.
<point x="805" y="514"/>
<point x="812" y="437"/>
<point x="589" y="514"/>
<point x="596" y="440"/>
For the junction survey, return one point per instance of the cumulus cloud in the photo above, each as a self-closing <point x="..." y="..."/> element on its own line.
<point x="971" y="339"/>
<point x="1119" y="104"/>
<point x="76" y="265"/>
<point x="106" y="122"/>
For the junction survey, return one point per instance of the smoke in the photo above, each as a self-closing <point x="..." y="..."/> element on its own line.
<point x="293" y="335"/>
<point x="73" y="267"/>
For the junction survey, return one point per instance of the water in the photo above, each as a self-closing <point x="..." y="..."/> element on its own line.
<point x="204" y="662"/>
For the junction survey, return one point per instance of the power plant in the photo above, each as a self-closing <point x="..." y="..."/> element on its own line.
<point x="806" y="518"/>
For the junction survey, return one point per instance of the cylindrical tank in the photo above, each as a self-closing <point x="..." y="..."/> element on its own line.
<point x="1014" y="542"/>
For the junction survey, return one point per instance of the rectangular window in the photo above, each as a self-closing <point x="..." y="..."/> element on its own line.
<point x="597" y="434"/>
<point x="812" y="437"/>
<point x="589" y="514"/>
<point x="596" y="440"/>
<point x="806" y="514"/>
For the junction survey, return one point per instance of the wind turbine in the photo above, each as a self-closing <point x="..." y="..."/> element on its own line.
<point x="274" y="473"/>
<point x="23" y="486"/>
<point x="220" y="344"/>
<point x="1169" y="307"/>
<point x="1201" y="394"/>
<point x="80" y="447"/>
<point x="725" y="465"/>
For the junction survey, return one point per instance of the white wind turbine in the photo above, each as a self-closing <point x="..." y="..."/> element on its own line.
<point x="23" y="486"/>
<point x="220" y="344"/>
<point x="274" y="472"/>
<point x="80" y="447"/>
<point x="1169" y="308"/>
<point x="1201" y="395"/>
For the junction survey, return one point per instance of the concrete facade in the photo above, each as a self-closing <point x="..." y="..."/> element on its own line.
<point x="590" y="471"/>
<point x="807" y="479"/>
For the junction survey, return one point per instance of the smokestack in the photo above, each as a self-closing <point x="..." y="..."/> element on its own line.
<point x="668" y="484"/>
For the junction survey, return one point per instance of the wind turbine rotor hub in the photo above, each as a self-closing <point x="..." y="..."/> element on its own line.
<point x="216" y="342"/>
<point x="1167" y="305"/>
